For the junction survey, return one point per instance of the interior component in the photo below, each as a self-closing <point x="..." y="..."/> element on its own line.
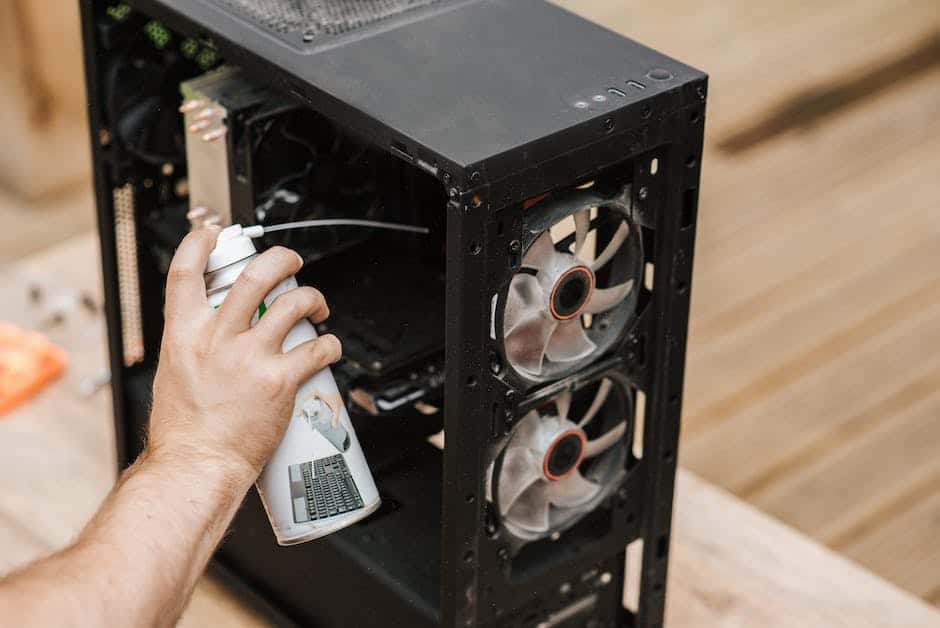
<point x="562" y="459"/>
<point x="571" y="287"/>
<point x="215" y="107"/>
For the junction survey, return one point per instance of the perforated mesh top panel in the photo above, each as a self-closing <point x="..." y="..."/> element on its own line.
<point x="321" y="18"/>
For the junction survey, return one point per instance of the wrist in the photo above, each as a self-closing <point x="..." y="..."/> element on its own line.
<point x="199" y="468"/>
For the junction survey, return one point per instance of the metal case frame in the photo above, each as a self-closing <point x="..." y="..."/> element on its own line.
<point x="484" y="232"/>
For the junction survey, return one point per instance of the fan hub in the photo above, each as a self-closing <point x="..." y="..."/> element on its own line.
<point x="571" y="292"/>
<point x="564" y="454"/>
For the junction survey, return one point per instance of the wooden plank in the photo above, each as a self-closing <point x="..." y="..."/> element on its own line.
<point x="903" y="547"/>
<point x="775" y="214"/>
<point x="760" y="52"/>
<point x="767" y="441"/>
<point x="734" y="566"/>
<point x="859" y="476"/>
<point x="751" y="362"/>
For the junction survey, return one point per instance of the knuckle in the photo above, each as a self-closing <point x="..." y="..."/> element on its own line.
<point x="272" y="382"/>
<point x="251" y="276"/>
<point x="327" y="349"/>
<point x="178" y="274"/>
<point x="313" y="299"/>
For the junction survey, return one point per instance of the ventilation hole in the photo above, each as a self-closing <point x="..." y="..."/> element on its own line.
<point x="639" y="422"/>
<point x="669" y="455"/>
<point x="646" y="112"/>
<point x="322" y="19"/>
<point x="632" y="575"/>
<point x="401" y="150"/>
<point x="648" y="276"/>
<point x="499" y="228"/>
<point x="475" y="248"/>
<point x="616" y="92"/>
<point x="662" y="544"/>
<point x="471" y="381"/>
<point x="636" y="85"/>
<point x="654" y="166"/>
<point x="689" y="205"/>
<point x="690" y="161"/>
<point x="682" y="287"/>
<point x="694" y="117"/>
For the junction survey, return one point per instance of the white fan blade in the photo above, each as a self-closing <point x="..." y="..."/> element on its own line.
<point x="525" y="297"/>
<point x="569" y="343"/>
<point x="602" y="443"/>
<point x="563" y="404"/>
<point x="582" y="224"/>
<point x="530" y="511"/>
<point x="521" y="468"/>
<point x="525" y="346"/>
<point x="607" y="298"/>
<point x="612" y="247"/>
<point x="541" y="254"/>
<point x="571" y="492"/>
<point x="527" y="430"/>
<point x="602" y="391"/>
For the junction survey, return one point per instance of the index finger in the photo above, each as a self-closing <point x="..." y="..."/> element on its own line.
<point x="184" y="281"/>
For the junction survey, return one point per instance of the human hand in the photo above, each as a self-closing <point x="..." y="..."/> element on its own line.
<point x="224" y="391"/>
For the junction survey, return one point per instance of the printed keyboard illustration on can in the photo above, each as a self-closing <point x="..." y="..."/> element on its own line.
<point x="323" y="488"/>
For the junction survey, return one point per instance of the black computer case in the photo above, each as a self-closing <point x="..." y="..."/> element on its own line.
<point x="540" y="326"/>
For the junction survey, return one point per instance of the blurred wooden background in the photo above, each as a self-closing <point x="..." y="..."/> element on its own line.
<point x="813" y="382"/>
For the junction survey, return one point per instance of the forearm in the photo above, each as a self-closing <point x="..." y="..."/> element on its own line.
<point x="139" y="559"/>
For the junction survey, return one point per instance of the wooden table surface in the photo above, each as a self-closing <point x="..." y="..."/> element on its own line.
<point x="813" y="379"/>
<point x="731" y="565"/>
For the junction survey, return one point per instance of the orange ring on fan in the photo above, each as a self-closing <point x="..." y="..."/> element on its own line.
<point x="587" y="297"/>
<point x="551" y="448"/>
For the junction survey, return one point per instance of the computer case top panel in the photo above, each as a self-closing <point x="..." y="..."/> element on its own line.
<point x="435" y="77"/>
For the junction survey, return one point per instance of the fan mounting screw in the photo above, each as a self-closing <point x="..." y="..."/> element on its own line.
<point x="515" y="246"/>
<point x="308" y="36"/>
<point x="643" y="193"/>
<point x="475" y="177"/>
<point x="446" y="178"/>
<point x="503" y="554"/>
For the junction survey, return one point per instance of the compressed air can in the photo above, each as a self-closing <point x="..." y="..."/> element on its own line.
<point x="317" y="481"/>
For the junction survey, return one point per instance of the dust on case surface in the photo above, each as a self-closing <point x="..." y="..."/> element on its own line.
<point x="468" y="574"/>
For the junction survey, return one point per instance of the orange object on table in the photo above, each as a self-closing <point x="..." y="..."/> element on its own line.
<point x="28" y="361"/>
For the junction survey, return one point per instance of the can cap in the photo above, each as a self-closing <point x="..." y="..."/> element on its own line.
<point x="232" y="246"/>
